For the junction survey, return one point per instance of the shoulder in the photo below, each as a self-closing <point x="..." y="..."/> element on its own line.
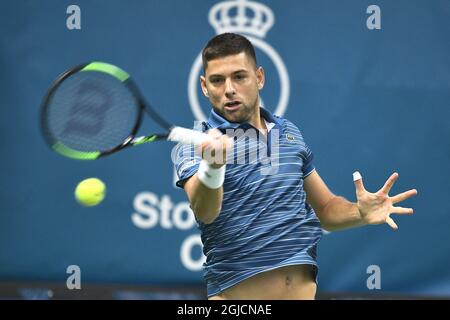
<point x="290" y="127"/>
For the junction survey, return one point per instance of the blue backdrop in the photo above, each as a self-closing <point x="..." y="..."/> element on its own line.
<point x="374" y="100"/>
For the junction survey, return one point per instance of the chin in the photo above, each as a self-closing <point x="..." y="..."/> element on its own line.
<point x="234" y="117"/>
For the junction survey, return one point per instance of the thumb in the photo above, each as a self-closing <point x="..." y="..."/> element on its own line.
<point x="357" y="178"/>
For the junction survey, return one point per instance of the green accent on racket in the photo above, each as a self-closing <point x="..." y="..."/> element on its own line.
<point x="142" y="140"/>
<point x="70" y="153"/>
<point x="110" y="69"/>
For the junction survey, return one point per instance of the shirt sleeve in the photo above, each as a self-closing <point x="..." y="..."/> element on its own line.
<point x="308" y="165"/>
<point x="186" y="163"/>
<point x="186" y="160"/>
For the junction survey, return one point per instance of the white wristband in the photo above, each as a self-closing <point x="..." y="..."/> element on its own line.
<point x="210" y="177"/>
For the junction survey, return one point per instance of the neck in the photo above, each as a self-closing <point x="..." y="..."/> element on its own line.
<point x="257" y="121"/>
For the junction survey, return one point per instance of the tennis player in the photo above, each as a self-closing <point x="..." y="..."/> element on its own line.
<point x="260" y="231"/>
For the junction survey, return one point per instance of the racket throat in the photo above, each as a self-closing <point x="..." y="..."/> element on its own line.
<point x="144" y="139"/>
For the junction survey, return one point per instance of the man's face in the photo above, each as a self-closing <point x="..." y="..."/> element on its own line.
<point x="232" y="85"/>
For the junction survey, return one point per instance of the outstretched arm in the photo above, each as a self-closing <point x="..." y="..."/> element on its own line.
<point x="337" y="213"/>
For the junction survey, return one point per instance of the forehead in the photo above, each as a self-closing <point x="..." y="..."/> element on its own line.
<point x="229" y="64"/>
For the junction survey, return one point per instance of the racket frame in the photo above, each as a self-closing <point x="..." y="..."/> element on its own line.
<point x="130" y="140"/>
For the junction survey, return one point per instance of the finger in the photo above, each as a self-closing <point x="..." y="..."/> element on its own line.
<point x="229" y="142"/>
<point x="220" y="151"/>
<point x="389" y="183"/>
<point x="403" y="196"/>
<point x="401" y="210"/>
<point x="225" y="141"/>
<point x="200" y="148"/>
<point x="357" y="178"/>
<point x="217" y="152"/>
<point x="228" y="148"/>
<point x="391" y="223"/>
<point x="208" y="150"/>
<point x="203" y="147"/>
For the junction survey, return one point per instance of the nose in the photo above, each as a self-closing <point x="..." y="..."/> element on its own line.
<point x="229" y="88"/>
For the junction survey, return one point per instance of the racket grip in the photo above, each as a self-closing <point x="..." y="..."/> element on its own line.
<point x="187" y="136"/>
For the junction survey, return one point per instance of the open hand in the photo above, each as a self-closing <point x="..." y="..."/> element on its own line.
<point x="376" y="208"/>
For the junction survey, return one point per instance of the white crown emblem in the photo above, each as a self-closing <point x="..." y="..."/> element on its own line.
<point x="222" y="18"/>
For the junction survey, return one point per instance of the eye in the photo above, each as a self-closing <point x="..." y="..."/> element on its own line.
<point x="216" y="80"/>
<point x="240" y="77"/>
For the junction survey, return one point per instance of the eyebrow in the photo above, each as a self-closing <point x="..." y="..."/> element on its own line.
<point x="220" y="75"/>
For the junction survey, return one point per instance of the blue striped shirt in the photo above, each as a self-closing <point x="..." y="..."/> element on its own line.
<point x="265" y="222"/>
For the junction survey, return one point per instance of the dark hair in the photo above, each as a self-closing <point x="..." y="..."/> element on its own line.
<point x="227" y="44"/>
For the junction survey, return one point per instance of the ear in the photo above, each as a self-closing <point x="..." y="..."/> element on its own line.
<point x="260" y="77"/>
<point x="203" y="85"/>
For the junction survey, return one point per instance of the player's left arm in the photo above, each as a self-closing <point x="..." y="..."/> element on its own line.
<point x="337" y="213"/>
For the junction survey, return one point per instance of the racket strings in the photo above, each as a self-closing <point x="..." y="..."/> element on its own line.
<point x="91" y="112"/>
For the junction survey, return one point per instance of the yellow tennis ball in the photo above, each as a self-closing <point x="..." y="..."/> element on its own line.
<point x="90" y="192"/>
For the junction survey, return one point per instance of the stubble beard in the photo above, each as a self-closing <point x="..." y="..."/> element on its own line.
<point x="244" y="114"/>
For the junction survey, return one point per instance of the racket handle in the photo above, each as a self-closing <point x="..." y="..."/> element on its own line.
<point x="187" y="136"/>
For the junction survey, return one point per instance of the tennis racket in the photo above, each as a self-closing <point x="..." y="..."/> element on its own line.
<point x="95" y="109"/>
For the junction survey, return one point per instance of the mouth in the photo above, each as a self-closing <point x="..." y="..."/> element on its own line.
<point x="232" y="105"/>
